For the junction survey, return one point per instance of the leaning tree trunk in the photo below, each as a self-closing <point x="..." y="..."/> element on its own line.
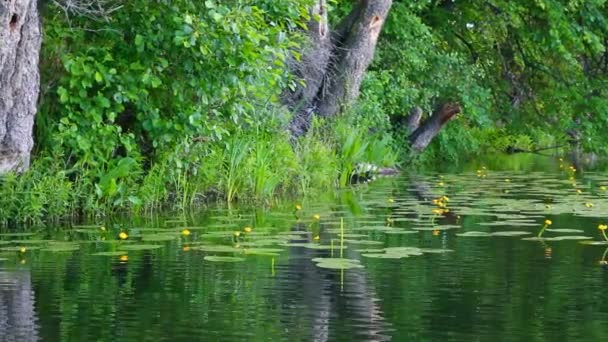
<point x="334" y="64"/>
<point x="19" y="81"/>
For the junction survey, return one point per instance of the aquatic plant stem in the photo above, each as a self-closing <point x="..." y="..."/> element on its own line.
<point x="341" y="237"/>
<point x="540" y="234"/>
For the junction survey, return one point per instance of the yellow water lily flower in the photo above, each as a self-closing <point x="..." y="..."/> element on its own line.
<point x="186" y="232"/>
<point x="437" y="211"/>
<point x="237" y="234"/>
<point x="186" y="249"/>
<point x="124" y="258"/>
<point x="316" y="217"/>
<point x="247" y="229"/>
<point x="22" y="249"/>
<point x="603" y="188"/>
<point x="589" y="205"/>
<point x="298" y="207"/>
<point x="602" y="227"/>
<point x="316" y="238"/>
<point x="123" y="236"/>
<point x="436" y="232"/>
<point x="548" y="222"/>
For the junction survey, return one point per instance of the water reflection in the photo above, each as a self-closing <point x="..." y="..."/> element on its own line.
<point x="17" y="312"/>
<point x="336" y="305"/>
<point x="488" y="287"/>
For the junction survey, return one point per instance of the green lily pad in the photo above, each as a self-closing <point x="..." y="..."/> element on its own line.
<point x="399" y="231"/>
<point x="263" y="251"/>
<point x="311" y="245"/>
<point x="510" y="233"/>
<point x="61" y="249"/>
<point x="215" y="258"/>
<point x="474" y="234"/>
<point x="534" y="238"/>
<point x="158" y="237"/>
<point x="395" y="253"/>
<point x="18" y="248"/>
<point x="435" y="250"/>
<point x="362" y="242"/>
<point x="337" y="263"/>
<point x="110" y="254"/>
<point x="371" y="250"/>
<point x="564" y="230"/>
<point x="569" y="237"/>
<point x="142" y="247"/>
<point x="29" y="242"/>
<point x="217" y="249"/>
<point x="594" y="243"/>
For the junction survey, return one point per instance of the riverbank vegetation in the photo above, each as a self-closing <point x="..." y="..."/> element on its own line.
<point x="144" y="107"/>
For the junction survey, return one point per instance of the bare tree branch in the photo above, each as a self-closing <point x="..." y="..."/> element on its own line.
<point x="93" y="9"/>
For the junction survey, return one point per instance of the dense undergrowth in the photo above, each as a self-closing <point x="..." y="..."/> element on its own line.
<point x="177" y="103"/>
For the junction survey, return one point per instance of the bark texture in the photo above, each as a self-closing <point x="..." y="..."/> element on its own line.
<point x="422" y="135"/>
<point x="334" y="64"/>
<point x="19" y="81"/>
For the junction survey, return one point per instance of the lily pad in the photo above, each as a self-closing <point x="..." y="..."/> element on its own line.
<point x="564" y="230"/>
<point x="158" y="237"/>
<point x="363" y="242"/>
<point x="311" y="245"/>
<point x="142" y="247"/>
<point x="18" y="248"/>
<point x="263" y="251"/>
<point x="399" y="231"/>
<point x="474" y="234"/>
<point x="217" y="249"/>
<point x="569" y="237"/>
<point x="61" y="249"/>
<point x="510" y="233"/>
<point x="594" y="243"/>
<point x="337" y="263"/>
<point x="215" y="258"/>
<point x="110" y="254"/>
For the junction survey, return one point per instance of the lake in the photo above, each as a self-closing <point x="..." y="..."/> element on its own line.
<point x="502" y="249"/>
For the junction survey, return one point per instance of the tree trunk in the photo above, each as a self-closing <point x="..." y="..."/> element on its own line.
<point x="19" y="81"/>
<point x="422" y="135"/>
<point x="334" y="64"/>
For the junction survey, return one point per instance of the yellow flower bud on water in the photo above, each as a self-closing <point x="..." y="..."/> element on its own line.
<point x="548" y="222"/>
<point x="247" y="229"/>
<point x="123" y="236"/>
<point x="186" y="232"/>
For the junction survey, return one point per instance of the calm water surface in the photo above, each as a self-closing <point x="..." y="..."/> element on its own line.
<point x="460" y="282"/>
